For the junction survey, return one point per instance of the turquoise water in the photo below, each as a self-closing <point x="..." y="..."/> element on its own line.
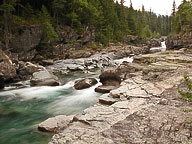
<point x="21" y="110"/>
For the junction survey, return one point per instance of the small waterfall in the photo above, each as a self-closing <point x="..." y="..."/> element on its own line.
<point x="159" y="49"/>
<point x="163" y="45"/>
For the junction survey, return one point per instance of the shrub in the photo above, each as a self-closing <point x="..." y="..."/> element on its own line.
<point x="187" y="96"/>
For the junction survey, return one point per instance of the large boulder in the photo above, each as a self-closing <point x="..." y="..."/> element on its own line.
<point x="55" y="124"/>
<point x="44" y="78"/>
<point x="7" y="68"/>
<point x="85" y="83"/>
<point x="110" y="78"/>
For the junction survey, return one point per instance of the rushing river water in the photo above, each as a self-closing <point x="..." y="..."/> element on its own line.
<point x="21" y="110"/>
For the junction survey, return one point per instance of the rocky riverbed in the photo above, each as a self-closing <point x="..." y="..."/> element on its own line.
<point x="146" y="108"/>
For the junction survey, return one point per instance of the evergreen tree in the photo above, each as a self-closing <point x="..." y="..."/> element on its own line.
<point x="8" y="7"/>
<point x="173" y="9"/>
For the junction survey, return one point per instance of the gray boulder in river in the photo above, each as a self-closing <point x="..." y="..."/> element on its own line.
<point x="85" y="83"/>
<point x="44" y="78"/>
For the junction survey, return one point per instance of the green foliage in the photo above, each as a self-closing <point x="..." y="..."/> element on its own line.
<point x="48" y="29"/>
<point x="108" y="20"/>
<point x="182" y="20"/>
<point x="146" y="32"/>
<point x="187" y="96"/>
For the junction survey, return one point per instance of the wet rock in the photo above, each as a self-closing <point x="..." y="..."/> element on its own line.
<point x="55" y="124"/>
<point x="7" y="68"/>
<point x="85" y="83"/>
<point x="105" y="89"/>
<point x="44" y="78"/>
<point x="2" y="84"/>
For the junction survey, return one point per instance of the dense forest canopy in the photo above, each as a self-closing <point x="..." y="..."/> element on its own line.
<point x="109" y="19"/>
<point x="182" y="18"/>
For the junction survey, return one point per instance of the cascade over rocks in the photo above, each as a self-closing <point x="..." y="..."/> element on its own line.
<point x="85" y="83"/>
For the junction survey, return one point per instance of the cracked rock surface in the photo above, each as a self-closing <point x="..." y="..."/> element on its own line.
<point x="145" y="109"/>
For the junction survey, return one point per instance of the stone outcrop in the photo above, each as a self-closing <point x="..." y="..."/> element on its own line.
<point x="55" y="124"/>
<point x="141" y="110"/>
<point x="44" y="78"/>
<point x="7" y="69"/>
<point x="135" y="40"/>
<point x="178" y="41"/>
<point x="85" y="83"/>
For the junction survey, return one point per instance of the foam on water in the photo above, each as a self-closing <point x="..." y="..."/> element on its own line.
<point x="36" y="92"/>
<point x="74" y="102"/>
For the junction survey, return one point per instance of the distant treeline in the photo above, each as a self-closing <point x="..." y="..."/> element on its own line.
<point x="109" y="19"/>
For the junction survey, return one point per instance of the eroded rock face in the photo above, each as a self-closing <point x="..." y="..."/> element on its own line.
<point x="7" y="69"/>
<point x="85" y="83"/>
<point x="55" y="124"/>
<point x="178" y="41"/>
<point x="44" y="78"/>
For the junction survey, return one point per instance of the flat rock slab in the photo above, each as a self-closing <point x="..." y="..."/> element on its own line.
<point x="105" y="89"/>
<point x="105" y="99"/>
<point x="55" y="124"/>
<point x="155" y="124"/>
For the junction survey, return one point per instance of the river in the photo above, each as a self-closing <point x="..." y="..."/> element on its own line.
<point x="21" y="110"/>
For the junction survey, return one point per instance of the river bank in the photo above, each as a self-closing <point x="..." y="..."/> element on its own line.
<point x="146" y="108"/>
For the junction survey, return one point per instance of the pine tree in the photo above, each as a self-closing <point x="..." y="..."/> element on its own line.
<point x="173" y="9"/>
<point x="8" y="7"/>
